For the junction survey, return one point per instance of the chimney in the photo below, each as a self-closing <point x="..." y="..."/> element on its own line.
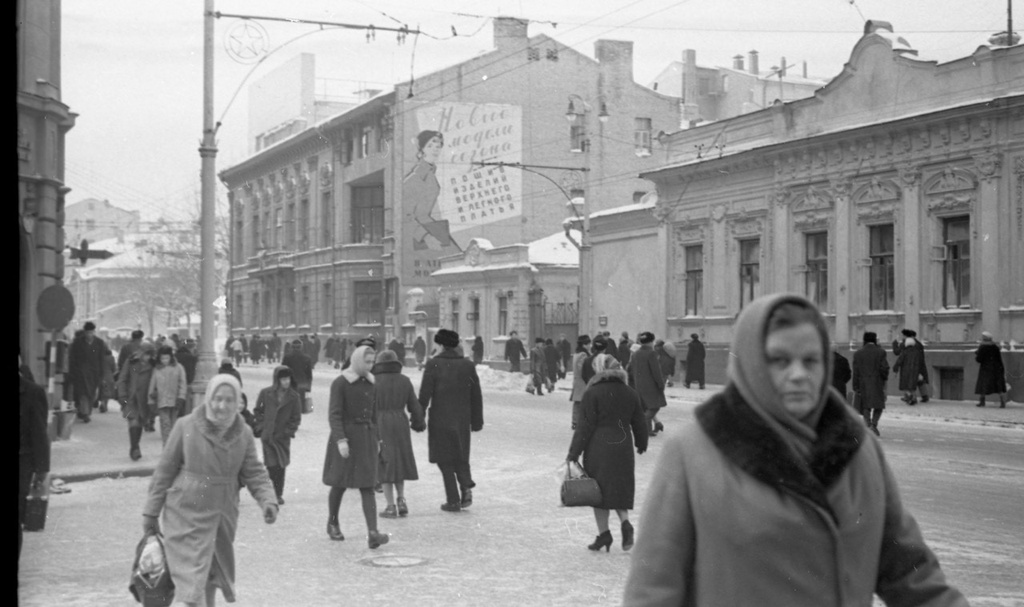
<point x="805" y="69"/>
<point x="782" y="67"/>
<point x="737" y="62"/>
<point x="509" y="33"/>
<point x="752" y="63"/>
<point x="691" y="110"/>
<point x="616" y="59"/>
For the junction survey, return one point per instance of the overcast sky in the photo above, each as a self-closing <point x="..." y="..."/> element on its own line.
<point x="132" y="69"/>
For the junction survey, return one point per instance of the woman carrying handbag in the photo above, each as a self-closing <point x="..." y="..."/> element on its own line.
<point x="611" y="421"/>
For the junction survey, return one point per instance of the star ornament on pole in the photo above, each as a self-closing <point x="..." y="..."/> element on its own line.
<point x="246" y="41"/>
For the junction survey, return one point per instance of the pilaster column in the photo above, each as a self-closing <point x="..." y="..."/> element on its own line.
<point x="841" y="257"/>
<point x="781" y="272"/>
<point x="986" y="238"/>
<point x="910" y="182"/>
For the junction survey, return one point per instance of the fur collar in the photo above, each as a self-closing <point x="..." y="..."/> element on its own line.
<point x="743" y="437"/>
<point x="448" y="353"/>
<point x="391" y="366"/>
<point x="352" y="377"/>
<point x="210" y="431"/>
<point x="608" y="375"/>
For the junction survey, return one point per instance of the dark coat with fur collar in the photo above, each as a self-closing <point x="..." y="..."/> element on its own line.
<point x="451" y="399"/>
<point x="728" y="500"/>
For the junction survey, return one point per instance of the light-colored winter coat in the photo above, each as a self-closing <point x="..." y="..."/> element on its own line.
<point x="167" y="385"/>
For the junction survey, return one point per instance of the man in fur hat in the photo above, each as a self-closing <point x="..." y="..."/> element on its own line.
<point x="451" y="399"/>
<point x="650" y="383"/>
<point x="870" y="372"/>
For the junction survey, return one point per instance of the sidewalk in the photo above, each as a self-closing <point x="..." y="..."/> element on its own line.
<point x="100" y="448"/>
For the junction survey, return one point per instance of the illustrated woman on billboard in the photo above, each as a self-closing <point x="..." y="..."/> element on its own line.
<point x="420" y="190"/>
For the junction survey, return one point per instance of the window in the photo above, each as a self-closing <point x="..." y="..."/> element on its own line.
<point x="302" y="234"/>
<point x="577" y="138"/>
<point x="367" y="302"/>
<point x="255" y="319"/>
<point x="455" y="315"/>
<point x="368" y="214"/>
<point x="882" y="286"/>
<point x="475" y="315"/>
<point x="642" y="137"/>
<point x="292" y="310"/>
<point x="364" y="142"/>
<point x="289" y="227"/>
<point x="239" y="241"/>
<point x="816" y="253"/>
<point x="347" y="149"/>
<point x="305" y="305"/>
<point x="956" y="268"/>
<point x="750" y="270"/>
<point x="278" y="229"/>
<point x="694" y="280"/>
<point x="327" y="313"/>
<point x="265" y="236"/>
<point x="326" y="220"/>
<point x="266" y="310"/>
<point x="703" y="85"/>
<point x="502" y="315"/>
<point x="390" y="293"/>
<point x="279" y="318"/>
<point x="239" y="315"/>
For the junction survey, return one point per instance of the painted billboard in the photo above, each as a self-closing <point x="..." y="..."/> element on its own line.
<point x="444" y="195"/>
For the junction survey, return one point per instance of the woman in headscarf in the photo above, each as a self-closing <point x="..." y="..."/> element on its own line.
<point x="778" y="493"/>
<point x="394" y="395"/>
<point x="354" y="445"/>
<point x="167" y="390"/>
<point x="276" y="418"/>
<point x="612" y="421"/>
<point x="208" y="454"/>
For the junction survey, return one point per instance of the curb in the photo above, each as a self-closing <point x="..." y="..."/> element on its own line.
<point x="91" y="476"/>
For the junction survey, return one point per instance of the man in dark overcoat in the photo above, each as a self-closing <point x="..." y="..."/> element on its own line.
<point x="85" y="370"/>
<point x="129" y="348"/>
<point x="419" y="350"/>
<point x="302" y="369"/>
<point x="565" y="351"/>
<point x="840" y="372"/>
<point x="552" y="359"/>
<point x="695" y="354"/>
<point x="598" y="346"/>
<point x="314" y="349"/>
<point x="650" y="383"/>
<point x="398" y="348"/>
<point x="666" y="359"/>
<point x="625" y="349"/>
<point x="991" y="372"/>
<point x="187" y="358"/>
<point x="611" y="348"/>
<point x="514" y="351"/>
<point x="870" y="372"/>
<point x="451" y="399"/>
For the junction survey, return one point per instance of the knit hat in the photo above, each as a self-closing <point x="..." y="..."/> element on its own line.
<point x="645" y="338"/>
<point x="386" y="356"/>
<point x="447" y="338"/>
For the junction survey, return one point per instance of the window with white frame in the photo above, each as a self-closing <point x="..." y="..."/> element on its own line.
<point x="502" y="315"/>
<point x="694" y="256"/>
<point x="816" y="260"/>
<point x="642" y="137"/>
<point x="750" y="270"/>
<point x="454" y="317"/>
<point x="882" y="282"/>
<point x="956" y="268"/>
<point x="577" y="138"/>
<point x="367" y="302"/>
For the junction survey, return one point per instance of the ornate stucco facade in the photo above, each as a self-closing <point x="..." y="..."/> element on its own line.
<point x="892" y="197"/>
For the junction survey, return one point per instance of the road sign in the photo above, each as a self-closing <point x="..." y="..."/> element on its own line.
<point x="55" y="307"/>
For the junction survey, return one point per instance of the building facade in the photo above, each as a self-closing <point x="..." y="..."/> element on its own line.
<point x="95" y="220"/>
<point x="892" y="198"/>
<point x="393" y="186"/>
<point x="43" y="122"/>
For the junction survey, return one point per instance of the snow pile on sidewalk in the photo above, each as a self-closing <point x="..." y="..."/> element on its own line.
<point x="501" y="381"/>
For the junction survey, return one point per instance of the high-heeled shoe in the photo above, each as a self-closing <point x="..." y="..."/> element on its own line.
<point x="375" y="539"/>
<point x="627" y="535"/>
<point x="334" y="531"/>
<point x="602" y="541"/>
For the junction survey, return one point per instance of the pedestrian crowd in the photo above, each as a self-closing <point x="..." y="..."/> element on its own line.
<point x="777" y="482"/>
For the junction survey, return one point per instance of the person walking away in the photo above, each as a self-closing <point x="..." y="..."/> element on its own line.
<point x="276" y="418"/>
<point x="353" y="448"/>
<point x="650" y="383"/>
<point x="777" y="494"/>
<point x="870" y="372"/>
<point x="314" y="349"/>
<point x="579" y="385"/>
<point x="85" y="370"/>
<point x="188" y="360"/>
<point x="478" y="350"/>
<point x="666" y="361"/>
<point x="451" y="399"/>
<point x="419" y="350"/>
<point x="991" y="372"/>
<point x="33" y="445"/>
<point x="840" y="372"/>
<point x="108" y="388"/>
<point x="128" y="349"/>
<point x="695" y="354"/>
<point x="245" y="348"/>
<point x="566" y="354"/>
<point x="625" y="349"/>
<point x="911" y="366"/>
<point x="612" y="348"/>
<point x="256" y="348"/>
<point x="611" y="425"/>
<point x="195" y="487"/>
<point x="133" y="394"/>
<point x="514" y="351"/>
<point x="396" y="346"/>
<point x="167" y="390"/>
<point x="552" y="362"/>
<point x="538" y="367"/>
<point x="394" y="395"/>
<point x="599" y="345"/>
<point x="238" y="351"/>
<point x="302" y="369"/>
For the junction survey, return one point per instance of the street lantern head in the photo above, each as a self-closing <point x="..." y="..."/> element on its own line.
<point x="570" y="114"/>
<point x="603" y="114"/>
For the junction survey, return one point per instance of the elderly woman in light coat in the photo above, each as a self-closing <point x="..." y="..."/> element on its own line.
<point x="778" y="494"/>
<point x="195" y="486"/>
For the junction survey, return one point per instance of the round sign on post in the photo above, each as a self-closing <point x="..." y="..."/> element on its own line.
<point x="55" y="307"/>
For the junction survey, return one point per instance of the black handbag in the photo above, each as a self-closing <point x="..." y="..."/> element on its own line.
<point x="35" y="513"/>
<point x="151" y="591"/>
<point x="579" y="489"/>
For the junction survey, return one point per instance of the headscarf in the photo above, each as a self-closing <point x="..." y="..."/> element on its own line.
<point x="282" y="371"/>
<point x="211" y="387"/>
<point x="357" y="365"/>
<point x="748" y="372"/>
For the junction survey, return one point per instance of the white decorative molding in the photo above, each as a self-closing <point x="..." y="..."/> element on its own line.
<point x="812" y="220"/>
<point x="876" y="213"/>
<point x="812" y="198"/>
<point x="950" y="179"/>
<point x="746" y="227"/>
<point x="988" y="164"/>
<point x="877" y="190"/>
<point x="951" y="203"/>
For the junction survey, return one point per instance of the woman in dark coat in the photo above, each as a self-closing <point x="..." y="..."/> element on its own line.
<point x="991" y="373"/>
<point x="911" y="366"/>
<point x="450" y="396"/>
<point x="695" y="362"/>
<point x="276" y="418"/>
<point x="394" y="394"/>
<point x="478" y="350"/>
<point x="612" y="420"/>
<point x="354" y="445"/>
